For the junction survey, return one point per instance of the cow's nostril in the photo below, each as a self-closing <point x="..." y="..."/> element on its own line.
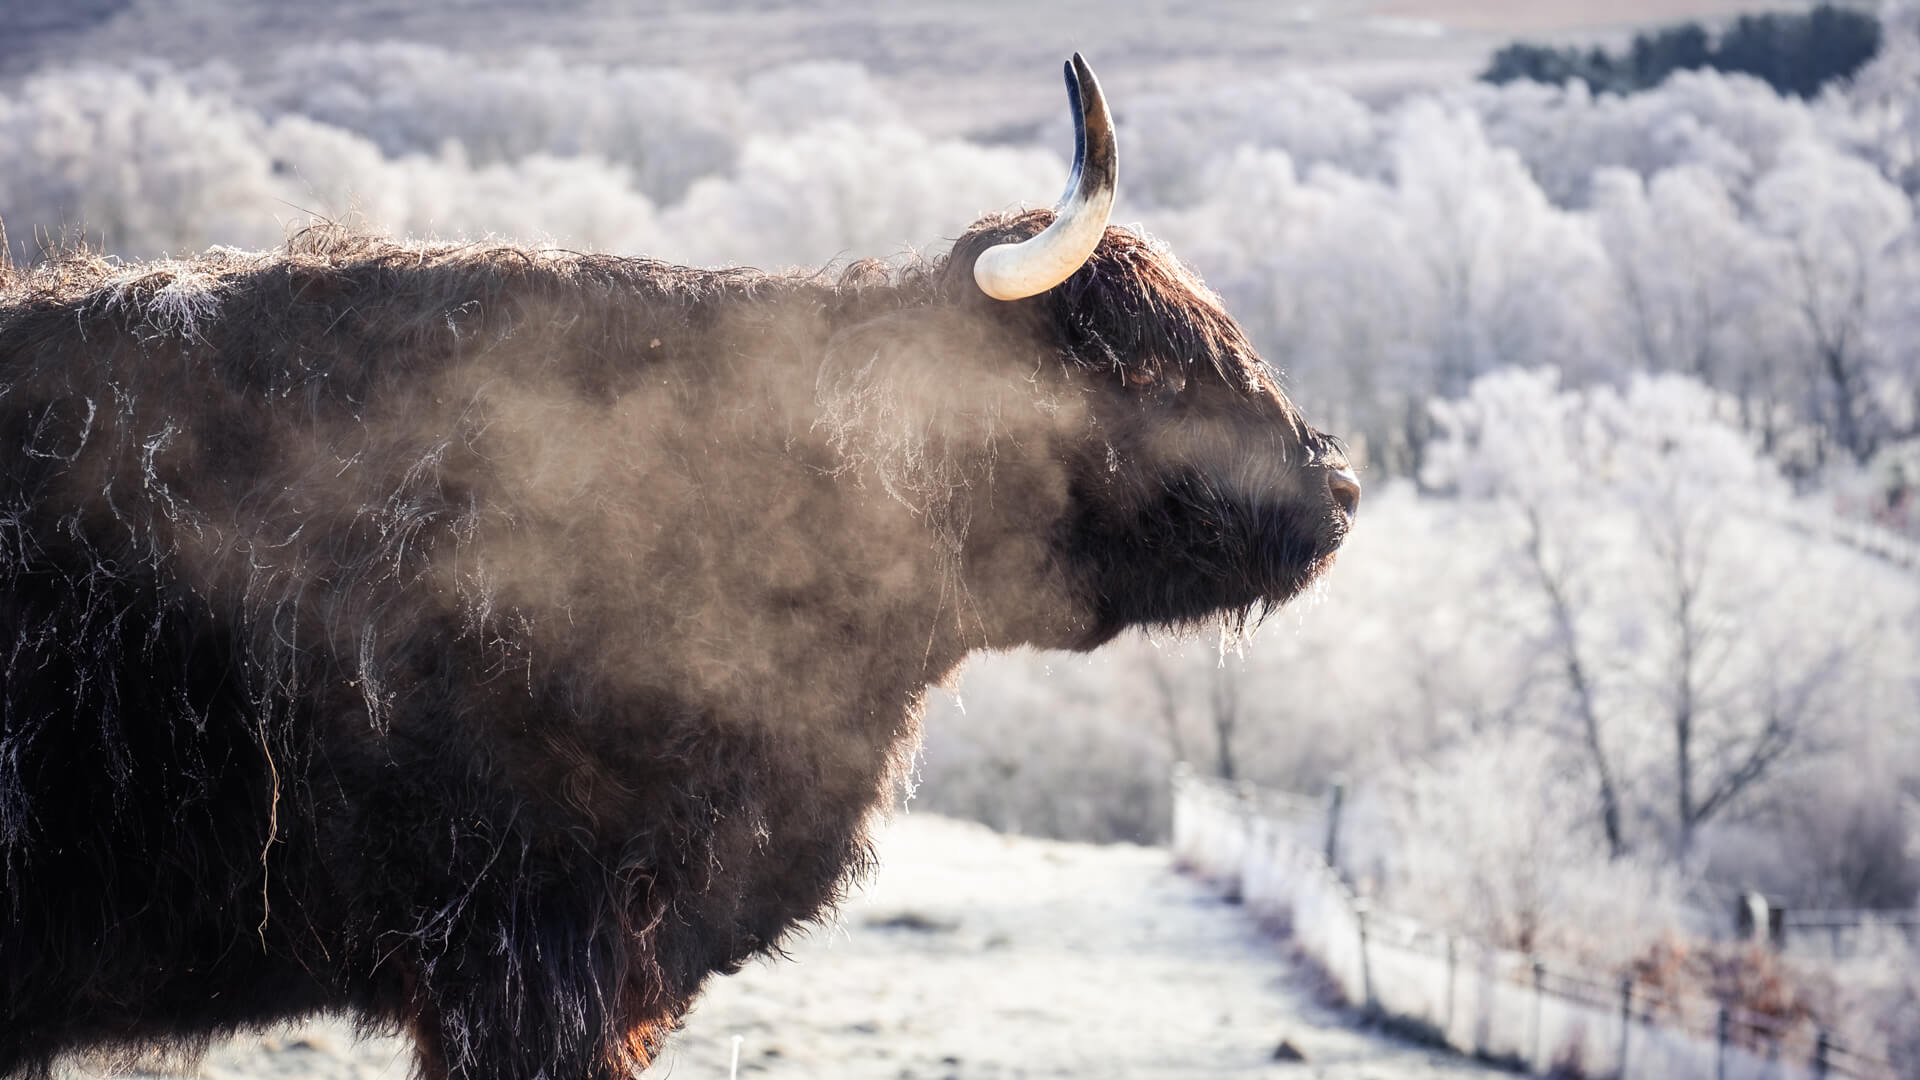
<point x="1345" y="488"/>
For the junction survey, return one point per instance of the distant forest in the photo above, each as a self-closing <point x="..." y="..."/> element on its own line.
<point x="1795" y="53"/>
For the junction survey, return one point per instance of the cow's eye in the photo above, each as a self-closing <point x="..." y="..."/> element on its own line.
<point x="1158" y="384"/>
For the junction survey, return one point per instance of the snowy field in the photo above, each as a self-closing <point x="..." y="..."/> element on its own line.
<point x="979" y="955"/>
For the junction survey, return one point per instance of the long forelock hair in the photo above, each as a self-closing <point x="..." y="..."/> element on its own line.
<point x="1133" y="308"/>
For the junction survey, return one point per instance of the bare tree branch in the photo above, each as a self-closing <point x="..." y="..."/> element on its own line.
<point x="1567" y="639"/>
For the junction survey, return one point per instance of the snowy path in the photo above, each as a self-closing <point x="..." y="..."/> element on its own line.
<point x="1033" y="959"/>
<point x="980" y="956"/>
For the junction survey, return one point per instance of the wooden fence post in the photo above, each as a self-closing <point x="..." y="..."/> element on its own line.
<point x="1366" y="970"/>
<point x="1336" y="795"/>
<point x="1626" y="1020"/>
<point x="1751" y="920"/>
<point x="1720" y="1053"/>
<point x="1446" y="1031"/>
<point x="1178" y="827"/>
<point x="1539" y="1019"/>
<point x="1244" y="796"/>
<point x="1821" y="1048"/>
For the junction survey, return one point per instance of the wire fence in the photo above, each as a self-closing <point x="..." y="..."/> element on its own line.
<point x="1844" y="934"/>
<point x="1478" y="999"/>
<point x="1868" y="537"/>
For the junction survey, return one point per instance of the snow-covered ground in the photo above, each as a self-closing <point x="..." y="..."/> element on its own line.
<point x="978" y="955"/>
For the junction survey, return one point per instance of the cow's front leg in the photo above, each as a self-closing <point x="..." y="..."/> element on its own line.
<point x="537" y="985"/>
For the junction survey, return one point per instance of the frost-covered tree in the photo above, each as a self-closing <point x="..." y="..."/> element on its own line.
<point x="145" y="163"/>
<point x="1844" y="235"/>
<point x="668" y="127"/>
<point x="134" y="160"/>
<point x="1645" y="520"/>
<point x="1374" y="294"/>
<point x="839" y="190"/>
<point x="1178" y="142"/>
<point x="1885" y="98"/>
<point x="1734" y="126"/>
<point x="1051" y="744"/>
<point x="1693" y="275"/>
<point x="412" y="99"/>
<point x="1479" y="837"/>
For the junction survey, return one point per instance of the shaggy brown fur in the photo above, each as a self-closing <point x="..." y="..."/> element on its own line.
<point x="497" y="642"/>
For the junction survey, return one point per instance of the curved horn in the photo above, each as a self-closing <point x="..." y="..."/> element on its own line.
<point x="1030" y="267"/>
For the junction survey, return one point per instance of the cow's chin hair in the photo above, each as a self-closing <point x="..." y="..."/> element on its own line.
<point x="1194" y="557"/>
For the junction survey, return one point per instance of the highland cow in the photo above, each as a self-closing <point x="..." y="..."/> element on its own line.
<point x="494" y="643"/>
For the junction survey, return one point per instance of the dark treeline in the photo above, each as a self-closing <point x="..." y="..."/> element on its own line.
<point x="1795" y="53"/>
